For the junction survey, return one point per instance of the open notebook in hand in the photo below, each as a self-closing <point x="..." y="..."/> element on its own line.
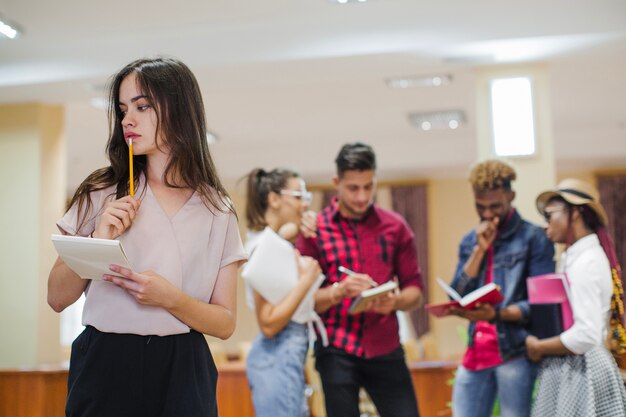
<point x="360" y="303"/>
<point x="488" y="293"/>
<point x="90" y="257"/>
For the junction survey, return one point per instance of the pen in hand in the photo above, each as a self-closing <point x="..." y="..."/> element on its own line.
<point x="351" y="272"/>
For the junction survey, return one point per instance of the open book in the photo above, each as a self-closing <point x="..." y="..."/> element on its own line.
<point x="488" y="293"/>
<point x="360" y="303"/>
<point x="90" y="257"/>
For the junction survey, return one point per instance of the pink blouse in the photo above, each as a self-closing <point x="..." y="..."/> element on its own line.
<point x="188" y="249"/>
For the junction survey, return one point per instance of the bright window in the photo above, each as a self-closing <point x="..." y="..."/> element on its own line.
<point x="512" y="116"/>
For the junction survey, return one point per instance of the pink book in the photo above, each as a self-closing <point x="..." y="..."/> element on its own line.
<point x="551" y="288"/>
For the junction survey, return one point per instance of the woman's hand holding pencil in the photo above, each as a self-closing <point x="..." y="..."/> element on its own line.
<point x="116" y="217"/>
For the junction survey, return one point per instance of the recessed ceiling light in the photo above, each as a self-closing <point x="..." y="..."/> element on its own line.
<point x="419" y="81"/>
<point x="99" y="103"/>
<point x="347" y="1"/>
<point x="211" y="137"/>
<point x="450" y="119"/>
<point x="8" y="28"/>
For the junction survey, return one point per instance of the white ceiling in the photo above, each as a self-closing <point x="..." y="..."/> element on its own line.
<point x="286" y="82"/>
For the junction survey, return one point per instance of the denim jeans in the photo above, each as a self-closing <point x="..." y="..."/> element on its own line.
<point x="474" y="392"/>
<point x="275" y="370"/>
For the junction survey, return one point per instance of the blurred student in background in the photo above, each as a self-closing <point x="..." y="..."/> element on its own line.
<point x="505" y="249"/>
<point x="578" y="376"/>
<point x="376" y="244"/>
<point x="277" y="200"/>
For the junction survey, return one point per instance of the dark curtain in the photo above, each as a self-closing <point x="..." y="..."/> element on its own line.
<point x="613" y="197"/>
<point x="411" y="202"/>
<point x="327" y="195"/>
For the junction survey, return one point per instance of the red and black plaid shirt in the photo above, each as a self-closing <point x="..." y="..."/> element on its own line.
<point x="380" y="245"/>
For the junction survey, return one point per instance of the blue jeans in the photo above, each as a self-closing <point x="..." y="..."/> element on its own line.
<point x="474" y="392"/>
<point x="275" y="370"/>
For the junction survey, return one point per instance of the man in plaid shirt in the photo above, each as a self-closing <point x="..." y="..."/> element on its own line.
<point x="364" y="349"/>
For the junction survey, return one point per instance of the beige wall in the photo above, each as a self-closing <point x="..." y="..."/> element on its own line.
<point x="451" y="215"/>
<point x="30" y="163"/>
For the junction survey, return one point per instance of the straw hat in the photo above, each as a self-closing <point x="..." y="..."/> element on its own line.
<point x="577" y="193"/>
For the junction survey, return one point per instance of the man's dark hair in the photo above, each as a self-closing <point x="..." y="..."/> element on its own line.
<point x="355" y="156"/>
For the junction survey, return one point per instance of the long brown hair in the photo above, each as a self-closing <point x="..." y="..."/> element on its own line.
<point x="259" y="185"/>
<point x="173" y="90"/>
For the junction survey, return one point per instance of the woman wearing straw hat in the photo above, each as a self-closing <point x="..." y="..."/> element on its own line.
<point x="578" y="376"/>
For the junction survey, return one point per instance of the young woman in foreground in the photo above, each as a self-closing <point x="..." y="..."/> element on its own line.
<point x="143" y="351"/>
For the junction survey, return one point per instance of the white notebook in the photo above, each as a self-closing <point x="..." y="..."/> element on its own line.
<point x="90" y="257"/>
<point x="272" y="271"/>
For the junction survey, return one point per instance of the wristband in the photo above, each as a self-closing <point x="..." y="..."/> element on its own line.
<point x="496" y="318"/>
<point x="332" y="293"/>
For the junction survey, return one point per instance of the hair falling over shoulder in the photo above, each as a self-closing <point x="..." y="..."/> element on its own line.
<point x="173" y="90"/>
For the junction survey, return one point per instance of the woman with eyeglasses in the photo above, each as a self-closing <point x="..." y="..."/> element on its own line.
<point x="578" y="376"/>
<point x="278" y="199"/>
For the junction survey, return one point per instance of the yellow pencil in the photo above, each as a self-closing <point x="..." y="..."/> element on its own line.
<point x="130" y="167"/>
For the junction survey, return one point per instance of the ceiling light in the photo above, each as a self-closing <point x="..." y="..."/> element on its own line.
<point x="450" y="119"/>
<point x="211" y="137"/>
<point x="419" y="81"/>
<point x="347" y="1"/>
<point x="8" y="29"/>
<point x="99" y="103"/>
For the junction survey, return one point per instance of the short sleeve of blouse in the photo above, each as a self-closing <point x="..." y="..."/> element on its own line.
<point x="69" y="223"/>
<point x="233" y="247"/>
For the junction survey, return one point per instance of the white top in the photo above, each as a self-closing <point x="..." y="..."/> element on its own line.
<point x="252" y="238"/>
<point x="188" y="249"/>
<point x="589" y="274"/>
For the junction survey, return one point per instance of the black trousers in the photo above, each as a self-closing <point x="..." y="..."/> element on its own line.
<point x="386" y="379"/>
<point x="124" y="375"/>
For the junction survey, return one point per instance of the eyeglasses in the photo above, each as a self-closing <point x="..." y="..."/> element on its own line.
<point x="304" y="196"/>
<point x="547" y="214"/>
